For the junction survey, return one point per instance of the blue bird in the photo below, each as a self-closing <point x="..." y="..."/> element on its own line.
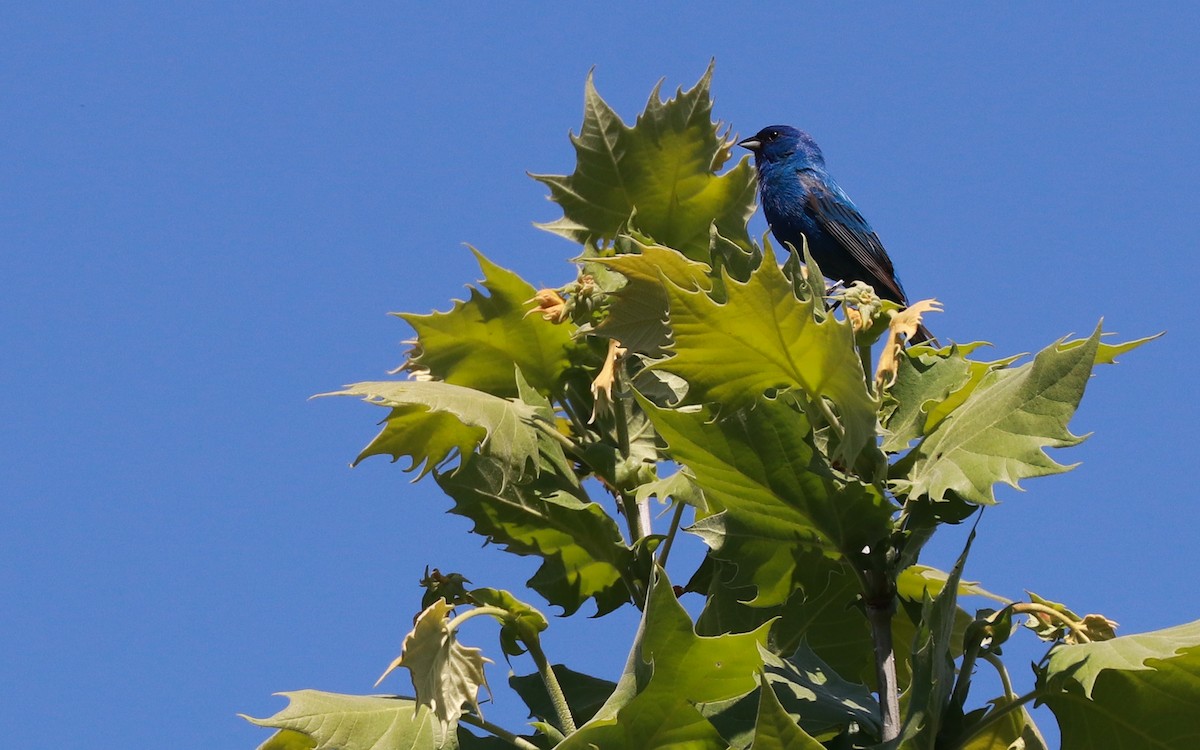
<point x="800" y="197"/>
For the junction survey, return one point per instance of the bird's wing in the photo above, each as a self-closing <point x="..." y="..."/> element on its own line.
<point x="837" y="215"/>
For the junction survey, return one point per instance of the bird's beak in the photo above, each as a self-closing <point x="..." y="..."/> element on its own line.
<point x="753" y="144"/>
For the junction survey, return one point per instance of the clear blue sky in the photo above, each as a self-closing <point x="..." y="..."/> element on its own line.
<point x="206" y="211"/>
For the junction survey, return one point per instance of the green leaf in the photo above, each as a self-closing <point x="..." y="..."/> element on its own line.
<point x="933" y="663"/>
<point x="353" y="722"/>
<point x="923" y="380"/>
<point x="770" y="491"/>
<point x="1015" y="730"/>
<point x="638" y="313"/>
<point x="763" y="338"/>
<point x="810" y="692"/>
<point x="429" y="420"/>
<point x="481" y="342"/>
<point x="1000" y="432"/>
<point x="585" y="694"/>
<point x="581" y="547"/>
<point x="775" y="728"/>
<point x="521" y="623"/>
<point x="1135" y="691"/>
<point x="915" y="581"/>
<point x="661" y="172"/>
<point x="674" y="669"/>
<point x="445" y="674"/>
<point x="286" y="739"/>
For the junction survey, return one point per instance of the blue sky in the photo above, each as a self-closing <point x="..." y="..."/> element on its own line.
<point x="208" y="210"/>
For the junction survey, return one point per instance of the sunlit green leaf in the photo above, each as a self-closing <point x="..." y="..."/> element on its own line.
<point x="762" y="338"/>
<point x="674" y="669"/>
<point x="638" y="314"/>
<point x="1135" y="691"/>
<point x="661" y="173"/>
<point x="430" y="419"/>
<point x="1001" y="431"/>
<point x="355" y="722"/>
<point x="481" y="342"/>
<point x="771" y="494"/>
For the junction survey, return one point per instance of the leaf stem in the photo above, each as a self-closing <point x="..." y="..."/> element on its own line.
<point x="1005" y="680"/>
<point x="501" y="732"/>
<point x="666" y="547"/>
<point x="557" y="699"/>
<point x="830" y="418"/>
<point x="457" y="622"/>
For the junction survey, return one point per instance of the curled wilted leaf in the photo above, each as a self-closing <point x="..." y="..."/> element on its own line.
<point x="904" y="323"/>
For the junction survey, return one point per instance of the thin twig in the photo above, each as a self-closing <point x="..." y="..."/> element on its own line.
<point x="1033" y="607"/>
<point x="1005" y="680"/>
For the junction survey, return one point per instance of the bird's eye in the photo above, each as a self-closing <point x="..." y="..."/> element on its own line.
<point x="772" y="135"/>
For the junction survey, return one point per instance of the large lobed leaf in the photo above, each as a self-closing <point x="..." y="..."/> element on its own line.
<point x="583" y="554"/>
<point x="482" y="341"/>
<point x="330" y="721"/>
<point x="1132" y="692"/>
<point x="987" y="422"/>
<point x="1001" y="430"/>
<point x="638" y="315"/>
<point x="671" y="670"/>
<point x="316" y="720"/>
<point x="763" y="338"/>
<point x="430" y="420"/>
<point x="661" y="173"/>
<point x="771" y="493"/>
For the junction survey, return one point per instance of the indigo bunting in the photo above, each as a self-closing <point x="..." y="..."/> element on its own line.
<point x="800" y="197"/>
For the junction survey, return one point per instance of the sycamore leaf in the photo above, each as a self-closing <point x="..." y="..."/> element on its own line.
<point x="585" y="694"/>
<point x="823" y="613"/>
<point x="680" y="487"/>
<point x="1135" y="691"/>
<point x="482" y="341"/>
<point x="429" y="420"/>
<point x="331" y="721"/>
<point x="924" y="379"/>
<point x="915" y="581"/>
<point x="775" y="729"/>
<point x="673" y="669"/>
<point x="771" y="493"/>
<point x="763" y="338"/>
<point x="1001" y="431"/>
<point x="288" y="739"/>
<point x="1014" y="731"/>
<point x="638" y="314"/>
<point x="661" y="172"/>
<point x="933" y="664"/>
<point x="810" y="693"/>
<point x="583" y="554"/>
<point x="445" y="674"/>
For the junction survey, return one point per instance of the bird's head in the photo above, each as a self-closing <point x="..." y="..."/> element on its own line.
<point x="776" y="143"/>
